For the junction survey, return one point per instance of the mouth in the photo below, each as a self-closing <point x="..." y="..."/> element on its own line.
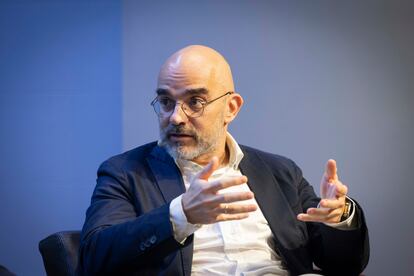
<point x="179" y="137"/>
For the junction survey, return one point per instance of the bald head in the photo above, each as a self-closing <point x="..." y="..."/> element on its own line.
<point x="194" y="105"/>
<point x="196" y="66"/>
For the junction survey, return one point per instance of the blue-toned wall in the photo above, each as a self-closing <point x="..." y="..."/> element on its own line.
<point x="60" y="116"/>
<point x="321" y="79"/>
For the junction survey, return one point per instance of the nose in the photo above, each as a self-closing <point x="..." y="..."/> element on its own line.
<point x="178" y="116"/>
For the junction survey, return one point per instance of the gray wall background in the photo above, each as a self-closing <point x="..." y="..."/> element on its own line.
<point x="320" y="79"/>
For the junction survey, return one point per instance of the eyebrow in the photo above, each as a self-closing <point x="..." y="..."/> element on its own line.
<point x="195" y="91"/>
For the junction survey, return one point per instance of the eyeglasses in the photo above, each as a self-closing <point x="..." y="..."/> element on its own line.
<point x="192" y="107"/>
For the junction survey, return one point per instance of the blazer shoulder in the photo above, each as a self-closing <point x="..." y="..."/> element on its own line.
<point x="267" y="156"/>
<point x="279" y="164"/>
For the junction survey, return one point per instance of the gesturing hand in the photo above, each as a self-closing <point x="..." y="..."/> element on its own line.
<point x="333" y="194"/>
<point x="203" y="204"/>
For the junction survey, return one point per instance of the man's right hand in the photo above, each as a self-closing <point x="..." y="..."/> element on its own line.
<point x="203" y="204"/>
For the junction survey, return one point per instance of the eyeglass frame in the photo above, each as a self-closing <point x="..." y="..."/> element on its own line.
<point x="154" y="101"/>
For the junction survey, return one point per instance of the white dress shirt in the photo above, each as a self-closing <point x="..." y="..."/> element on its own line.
<point x="237" y="247"/>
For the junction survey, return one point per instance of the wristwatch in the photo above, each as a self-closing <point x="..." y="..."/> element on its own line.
<point x="348" y="208"/>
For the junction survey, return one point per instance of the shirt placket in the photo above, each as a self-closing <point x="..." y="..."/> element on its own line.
<point x="230" y="230"/>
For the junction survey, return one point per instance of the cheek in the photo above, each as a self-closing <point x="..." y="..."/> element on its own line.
<point x="163" y="122"/>
<point x="207" y="128"/>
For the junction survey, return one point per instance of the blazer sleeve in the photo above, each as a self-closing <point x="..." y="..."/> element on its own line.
<point x="336" y="252"/>
<point x="116" y="236"/>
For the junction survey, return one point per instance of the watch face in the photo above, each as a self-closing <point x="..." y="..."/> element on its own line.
<point x="347" y="208"/>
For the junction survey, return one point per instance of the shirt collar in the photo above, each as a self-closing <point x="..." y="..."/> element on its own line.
<point x="236" y="154"/>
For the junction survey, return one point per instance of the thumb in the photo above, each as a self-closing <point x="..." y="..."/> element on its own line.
<point x="331" y="170"/>
<point x="327" y="189"/>
<point x="209" y="169"/>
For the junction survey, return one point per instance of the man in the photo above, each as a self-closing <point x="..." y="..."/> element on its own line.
<point x="198" y="203"/>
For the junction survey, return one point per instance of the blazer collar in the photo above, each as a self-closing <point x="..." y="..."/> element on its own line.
<point x="166" y="173"/>
<point x="271" y="200"/>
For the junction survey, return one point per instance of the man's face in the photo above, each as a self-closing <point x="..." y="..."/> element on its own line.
<point x="186" y="137"/>
<point x="196" y="74"/>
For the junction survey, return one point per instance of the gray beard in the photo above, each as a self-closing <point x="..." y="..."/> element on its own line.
<point x="178" y="151"/>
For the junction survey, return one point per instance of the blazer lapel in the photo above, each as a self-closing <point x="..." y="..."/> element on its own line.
<point x="166" y="173"/>
<point x="170" y="183"/>
<point x="271" y="200"/>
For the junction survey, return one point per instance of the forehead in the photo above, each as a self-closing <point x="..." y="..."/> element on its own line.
<point x="183" y="78"/>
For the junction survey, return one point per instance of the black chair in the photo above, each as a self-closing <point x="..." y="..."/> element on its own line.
<point x="5" y="272"/>
<point x="60" y="253"/>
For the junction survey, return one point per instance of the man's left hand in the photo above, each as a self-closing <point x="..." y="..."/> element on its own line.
<point x="333" y="194"/>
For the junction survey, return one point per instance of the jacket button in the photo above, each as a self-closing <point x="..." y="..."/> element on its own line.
<point x="153" y="239"/>
<point x="147" y="243"/>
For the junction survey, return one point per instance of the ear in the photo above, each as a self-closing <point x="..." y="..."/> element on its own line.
<point x="234" y="104"/>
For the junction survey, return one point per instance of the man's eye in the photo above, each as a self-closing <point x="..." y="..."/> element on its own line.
<point x="166" y="102"/>
<point x="196" y="103"/>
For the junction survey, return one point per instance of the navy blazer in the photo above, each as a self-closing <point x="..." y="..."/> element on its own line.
<point x="127" y="229"/>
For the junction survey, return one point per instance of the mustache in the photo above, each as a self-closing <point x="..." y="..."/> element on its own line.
<point x="179" y="130"/>
<point x="171" y="130"/>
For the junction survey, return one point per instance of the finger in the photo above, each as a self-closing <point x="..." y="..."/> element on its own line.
<point x="237" y="208"/>
<point x="225" y="217"/>
<point x="224" y="183"/>
<point x="341" y="189"/>
<point x="322" y="212"/>
<point x="318" y="212"/>
<point x="230" y="197"/>
<point x="209" y="169"/>
<point x="331" y="170"/>
<point x="328" y="190"/>
<point x="332" y="204"/>
<point x="311" y="218"/>
<point x="319" y="215"/>
<point x="308" y="218"/>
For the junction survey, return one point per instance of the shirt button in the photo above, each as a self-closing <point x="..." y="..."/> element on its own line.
<point x="142" y="246"/>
